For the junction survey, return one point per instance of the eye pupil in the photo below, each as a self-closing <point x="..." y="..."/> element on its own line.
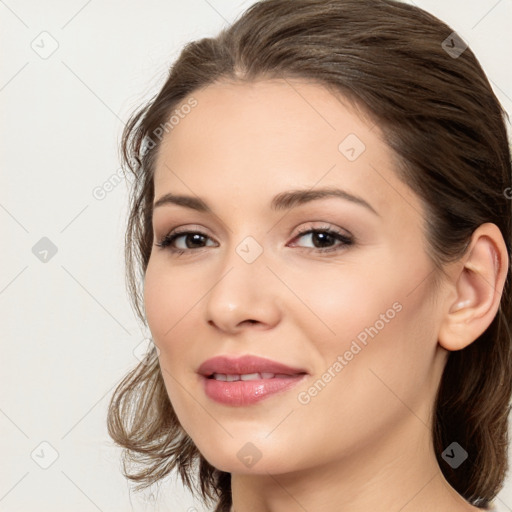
<point x="196" y="237"/>
<point x="325" y="239"/>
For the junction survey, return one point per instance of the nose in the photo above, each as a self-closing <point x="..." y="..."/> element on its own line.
<point x="245" y="295"/>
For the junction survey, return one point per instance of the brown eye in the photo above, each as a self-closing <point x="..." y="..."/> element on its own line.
<point x="324" y="240"/>
<point x="189" y="240"/>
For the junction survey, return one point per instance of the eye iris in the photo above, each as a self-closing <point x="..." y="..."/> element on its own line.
<point x="196" y="239"/>
<point x="325" y="239"/>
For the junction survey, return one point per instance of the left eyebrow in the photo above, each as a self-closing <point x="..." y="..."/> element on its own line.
<point x="282" y="201"/>
<point x="294" y="198"/>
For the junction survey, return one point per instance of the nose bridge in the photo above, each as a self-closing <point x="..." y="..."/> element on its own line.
<point x="245" y="290"/>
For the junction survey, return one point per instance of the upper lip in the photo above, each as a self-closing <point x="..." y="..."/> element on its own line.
<point x="244" y="365"/>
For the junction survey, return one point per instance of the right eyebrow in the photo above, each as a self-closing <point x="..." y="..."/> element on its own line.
<point x="194" y="203"/>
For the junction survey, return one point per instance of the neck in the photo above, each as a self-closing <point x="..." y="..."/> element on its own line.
<point x="394" y="474"/>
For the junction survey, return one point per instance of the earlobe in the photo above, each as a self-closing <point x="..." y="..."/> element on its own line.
<point x="478" y="285"/>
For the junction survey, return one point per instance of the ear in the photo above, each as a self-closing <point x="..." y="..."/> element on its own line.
<point x="477" y="286"/>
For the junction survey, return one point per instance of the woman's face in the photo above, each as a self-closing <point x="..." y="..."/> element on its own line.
<point x="348" y="307"/>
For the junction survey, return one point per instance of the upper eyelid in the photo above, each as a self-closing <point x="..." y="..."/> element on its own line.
<point x="327" y="226"/>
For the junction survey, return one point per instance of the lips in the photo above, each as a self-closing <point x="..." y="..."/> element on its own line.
<point x="246" y="380"/>
<point x="245" y="365"/>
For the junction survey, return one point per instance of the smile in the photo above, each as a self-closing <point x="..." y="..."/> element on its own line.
<point x="247" y="376"/>
<point x="246" y="380"/>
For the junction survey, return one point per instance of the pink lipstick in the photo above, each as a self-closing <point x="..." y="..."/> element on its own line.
<point x="246" y="380"/>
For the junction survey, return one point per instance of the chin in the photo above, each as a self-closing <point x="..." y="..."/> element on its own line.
<point x="247" y="457"/>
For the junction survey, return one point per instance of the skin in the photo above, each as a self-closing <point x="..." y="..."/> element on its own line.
<point x="364" y="441"/>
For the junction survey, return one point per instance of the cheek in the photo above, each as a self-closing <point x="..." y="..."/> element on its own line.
<point x="375" y="315"/>
<point x="168" y="299"/>
<point x="380" y="359"/>
<point x="173" y="302"/>
<point x="395" y="368"/>
<point x="343" y="303"/>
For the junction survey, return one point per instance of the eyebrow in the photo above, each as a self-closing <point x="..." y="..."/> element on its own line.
<point x="283" y="201"/>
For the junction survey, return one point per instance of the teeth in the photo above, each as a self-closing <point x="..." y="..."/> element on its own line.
<point x="250" y="376"/>
<point x="246" y="376"/>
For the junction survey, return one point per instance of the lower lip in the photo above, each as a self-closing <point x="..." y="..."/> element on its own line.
<point x="247" y="392"/>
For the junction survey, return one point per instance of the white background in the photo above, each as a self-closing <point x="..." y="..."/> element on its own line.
<point x="68" y="332"/>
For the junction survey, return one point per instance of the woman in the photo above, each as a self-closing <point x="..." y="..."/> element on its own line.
<point x="321" y="219"/>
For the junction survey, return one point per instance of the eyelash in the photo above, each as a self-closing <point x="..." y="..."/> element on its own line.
<point x="167" y="240"/>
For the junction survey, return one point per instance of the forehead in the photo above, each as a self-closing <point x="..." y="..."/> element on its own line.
<point x="252" y="140"/>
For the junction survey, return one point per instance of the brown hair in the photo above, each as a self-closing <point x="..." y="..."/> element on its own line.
<point x="447" y="129"/>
